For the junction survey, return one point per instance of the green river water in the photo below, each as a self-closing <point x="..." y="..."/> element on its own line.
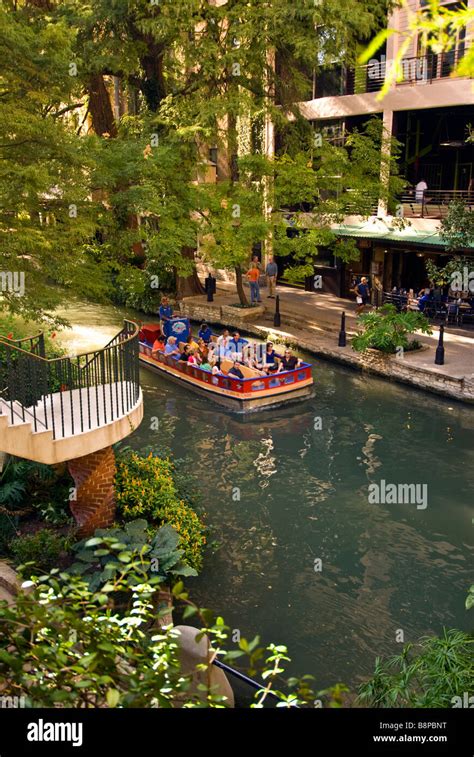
<point x="303" y="474"/>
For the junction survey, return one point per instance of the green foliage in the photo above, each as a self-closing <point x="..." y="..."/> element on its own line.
<point x="457" y="228"/>
<point x="386" y="329"/>
<point x="441" y="276"/>
<point x="149" y="556"/>
<point x="38" y="552"/>
<point x="63" y="645"/>
<point x="19" y="477"/>
<point x="145" y="487"/>
<point x="429" y="674"/>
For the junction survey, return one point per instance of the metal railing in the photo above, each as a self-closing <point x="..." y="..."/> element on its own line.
<point x="433" y="203"/>
<point x="417" y="69"/>
<point x="69" y="395"/>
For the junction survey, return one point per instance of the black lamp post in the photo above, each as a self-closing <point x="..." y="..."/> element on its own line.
<point x="276" y="317"/>
<point x="210" y="287"/>
<point x="342" y="333"/>
<point x="439" y="357"/>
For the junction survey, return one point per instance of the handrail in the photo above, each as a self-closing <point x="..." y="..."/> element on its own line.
<point x="69" y="395"/>
<point x="81" y="354"/>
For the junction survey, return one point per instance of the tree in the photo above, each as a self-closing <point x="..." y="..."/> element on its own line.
<point x="45" y="211"/>
<point x="457" y="228"/>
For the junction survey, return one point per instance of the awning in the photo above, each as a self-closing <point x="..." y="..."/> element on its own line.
<point x="400" y="236"/>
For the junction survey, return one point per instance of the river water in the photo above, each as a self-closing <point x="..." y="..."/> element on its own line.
<point x="303" y="557"/>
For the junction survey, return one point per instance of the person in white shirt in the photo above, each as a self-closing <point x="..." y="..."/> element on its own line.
<point x="420" y="191"/>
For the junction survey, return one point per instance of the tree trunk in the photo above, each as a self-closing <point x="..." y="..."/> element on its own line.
<point x="100" y="107"/>
<point x="188" y="286"/>
<point x="240" y="286"/>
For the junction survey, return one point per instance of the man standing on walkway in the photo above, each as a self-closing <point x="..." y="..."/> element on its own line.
<point x="272" y="272"/>
<point x="362" y="295"/>
<point x="253" y="276"/>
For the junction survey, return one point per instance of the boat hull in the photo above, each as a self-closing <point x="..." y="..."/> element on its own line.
<point x="237" y="402"/>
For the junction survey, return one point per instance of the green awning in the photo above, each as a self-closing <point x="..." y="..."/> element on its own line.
<point x="400" y="236"/>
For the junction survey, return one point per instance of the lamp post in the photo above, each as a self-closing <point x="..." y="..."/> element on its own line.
<point x="276" y="317"/>
<point x="210" y="287"/>
<point x="439" y="357"/>
<point x="342" y="333"/>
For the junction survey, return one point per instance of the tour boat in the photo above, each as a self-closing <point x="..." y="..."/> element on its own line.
<point x="253" y="392"/>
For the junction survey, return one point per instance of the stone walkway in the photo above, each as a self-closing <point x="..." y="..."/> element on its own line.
<point x="312" y="321"/>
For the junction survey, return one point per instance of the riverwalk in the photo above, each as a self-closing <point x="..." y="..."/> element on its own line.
<point x="312" y="322"/>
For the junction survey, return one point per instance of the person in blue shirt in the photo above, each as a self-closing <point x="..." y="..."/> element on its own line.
<point x="270" y="354"/>
<point x="171" y="348"/>
<point x="363" y="294"/>
<point x="205" y="333"/>
<point x="236" y="345"/>
<point x="165" y="311"/>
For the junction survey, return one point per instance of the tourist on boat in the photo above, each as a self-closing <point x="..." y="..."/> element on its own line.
<point x="235" y="370"/>
<point x="192" y="343"/>
<point x="236" y="345"/>
<point x="165" y="311"/>
<point x="203" y="349"/>
<point x="205" y="333"/>
<point x="253" y="275"/>
<point x="224" y="338"/>
<point x="223" y="349"/>
<point x="171" y="348"/>
<point x="270" y="354"/>
<point x="158" y="345"/>
<point x="184" y="357"/>
<point x="192" y="357"/>
<point x="206" y="366"/>
<point x="288" y="362"/>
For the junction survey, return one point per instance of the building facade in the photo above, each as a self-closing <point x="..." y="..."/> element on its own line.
<point x="430" y="111"/>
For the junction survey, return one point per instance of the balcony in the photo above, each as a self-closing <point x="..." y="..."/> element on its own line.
<point x="433" y="203"/>
<point x="418" y="70"/>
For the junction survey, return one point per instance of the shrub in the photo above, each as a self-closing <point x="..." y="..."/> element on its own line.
<point x="63" y="645"/>
<point x="150" y="557"/>
<point x="146" y="488"/>
<point x="38" y="552"/>
<point x="385" y="329"/>
<point x="430" y="674"/>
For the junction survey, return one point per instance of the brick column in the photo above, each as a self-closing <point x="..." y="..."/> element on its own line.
<point x="94" y="506"/>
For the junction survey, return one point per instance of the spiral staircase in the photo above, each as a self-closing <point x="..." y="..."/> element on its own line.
<point x="72" y="409"/>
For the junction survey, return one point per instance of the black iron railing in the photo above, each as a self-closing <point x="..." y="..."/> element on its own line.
<point x="69" y="395"/>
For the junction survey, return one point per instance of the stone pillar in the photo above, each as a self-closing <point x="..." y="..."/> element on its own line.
<point x="387" y="126"/>
<point x="94" y="506"/>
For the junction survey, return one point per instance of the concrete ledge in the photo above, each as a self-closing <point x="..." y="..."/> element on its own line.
<point x="21" y="441"/>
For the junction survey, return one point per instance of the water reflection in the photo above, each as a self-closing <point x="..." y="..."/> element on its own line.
<point x="303" y="495"/>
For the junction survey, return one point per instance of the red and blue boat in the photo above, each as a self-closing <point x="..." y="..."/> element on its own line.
<point x="242" y="395"/>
